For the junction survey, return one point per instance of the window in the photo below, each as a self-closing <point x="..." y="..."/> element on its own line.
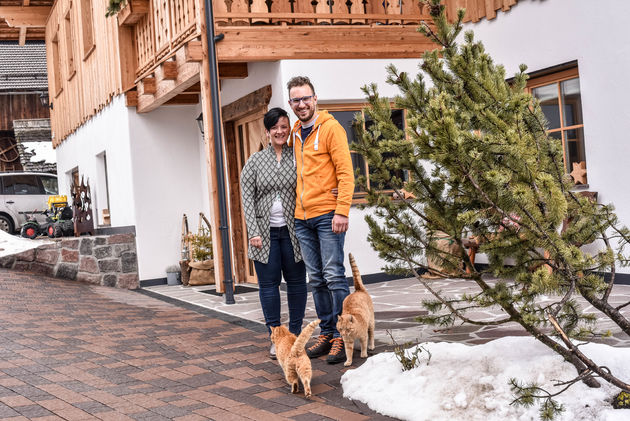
<point x="346" y="117"/>
<point x="87" y="28"/>
<point x="22" y="184"/>
<point x="69" y="48"/>
<point x="56" y="62"/>
<point x="101" y="193"/>
<point x="560" y="100"/>
<point x="50" y="184"/>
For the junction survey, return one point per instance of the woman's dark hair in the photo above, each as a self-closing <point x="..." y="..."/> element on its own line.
<point x="272" y="116"/>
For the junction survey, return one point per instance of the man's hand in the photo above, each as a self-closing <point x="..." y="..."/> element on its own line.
<point x="255" y="242"/>
<point x="339" y="224"/>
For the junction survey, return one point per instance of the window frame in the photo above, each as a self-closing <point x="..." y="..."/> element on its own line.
<point x="70" y="63"/>
<point x="360" y="196"/>
<point x="87" y="28"/>
<point x="557" y="78"/>
<point x="56" y="64"/>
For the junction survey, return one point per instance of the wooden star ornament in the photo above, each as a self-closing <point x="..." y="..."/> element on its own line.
<point x="579" y="172"/>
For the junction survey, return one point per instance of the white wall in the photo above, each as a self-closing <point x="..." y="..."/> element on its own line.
<point x="107" y="131"/>
<point x="156" y="169"/>
<point x="543" y="34"/>
<point x="168" y="177"/>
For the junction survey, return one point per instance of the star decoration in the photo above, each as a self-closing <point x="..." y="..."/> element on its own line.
<point x="579" y="172"/>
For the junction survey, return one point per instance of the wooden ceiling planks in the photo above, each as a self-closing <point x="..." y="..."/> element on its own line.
<point x="30" y="26"/>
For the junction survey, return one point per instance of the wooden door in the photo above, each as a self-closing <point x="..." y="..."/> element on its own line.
<point x="248" y="135"/>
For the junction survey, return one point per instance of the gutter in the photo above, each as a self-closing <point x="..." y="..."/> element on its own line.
<point x="228" y="282"/>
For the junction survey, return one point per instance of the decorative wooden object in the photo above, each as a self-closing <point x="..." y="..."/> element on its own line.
<point x="579" y="172"/>
<point x="185" y="257"/>
<point x="9" y="156"/>
<point x="82" y="208"/>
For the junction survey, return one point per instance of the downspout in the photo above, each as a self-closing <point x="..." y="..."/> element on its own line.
<point x="228" y="282"/>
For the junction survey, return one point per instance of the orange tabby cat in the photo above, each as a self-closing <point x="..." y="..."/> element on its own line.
<point x="292" y="356"/>
<point x="357" y="317"/>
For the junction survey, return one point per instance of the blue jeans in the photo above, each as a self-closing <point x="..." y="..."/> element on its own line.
<point x="322" y="251"/>
<point x="282" y="264"/>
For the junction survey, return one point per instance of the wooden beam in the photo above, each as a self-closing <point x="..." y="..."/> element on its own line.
<point x="22" y="38"/>
<point x="167" y="89"/>
<point x="232" y="70"/>
<point x="184" y="99"/>
<point x="147" y="86"/>
<point x="195" y="89"/>
<point x="169" y="70"/>
<point x="131" y="98"/>
<point x="194" y="51"/>
<point x="259" y="43"/>
<point x="19" y="16"/>
<point x="247" y="104"/>
<point x="26" y="3"/>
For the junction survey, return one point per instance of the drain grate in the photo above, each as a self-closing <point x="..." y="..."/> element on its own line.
<point x="238" y="290"/>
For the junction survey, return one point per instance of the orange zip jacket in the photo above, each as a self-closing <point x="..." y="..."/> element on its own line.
<point x="323" y="162"/>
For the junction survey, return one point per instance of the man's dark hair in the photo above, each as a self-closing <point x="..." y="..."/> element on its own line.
<point x="272" y="116"/>
<point x="300" y="81"/>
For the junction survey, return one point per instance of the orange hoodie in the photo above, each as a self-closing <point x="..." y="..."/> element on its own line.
<point x="323" y="163"/>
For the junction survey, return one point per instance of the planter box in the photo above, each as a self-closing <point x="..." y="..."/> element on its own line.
<point x="133" y="11"/>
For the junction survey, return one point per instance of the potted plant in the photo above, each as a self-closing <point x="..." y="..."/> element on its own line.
<point x="172" y="275"/>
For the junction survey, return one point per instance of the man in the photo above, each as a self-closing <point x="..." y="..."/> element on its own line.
<point x="323" y="167"/>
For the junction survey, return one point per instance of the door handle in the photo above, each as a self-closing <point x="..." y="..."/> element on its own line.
<point x="10" y="202"/>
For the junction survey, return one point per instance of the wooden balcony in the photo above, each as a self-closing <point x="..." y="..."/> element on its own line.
<point x="168" y="32"/>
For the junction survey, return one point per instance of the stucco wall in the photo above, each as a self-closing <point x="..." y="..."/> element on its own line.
<point x="107" y="131"/>
<point x="156" y="173"/>
<point x="168" y="180"/>
<point x="546" y="33"/>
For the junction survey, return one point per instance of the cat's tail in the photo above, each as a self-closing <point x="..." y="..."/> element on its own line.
<point x="356" y="276"/>
<point x="300" y="342"/>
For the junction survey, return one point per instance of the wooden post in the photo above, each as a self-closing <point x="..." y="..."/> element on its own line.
<point x="206" y="106"/>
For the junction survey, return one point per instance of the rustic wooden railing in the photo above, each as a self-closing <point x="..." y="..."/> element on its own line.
<point x="165" y="28"/>
<point x="170" y="23"/>
<point x="318" y="12"/>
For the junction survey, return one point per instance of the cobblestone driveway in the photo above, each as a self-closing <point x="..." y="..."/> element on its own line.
<point x="79" y="352"/>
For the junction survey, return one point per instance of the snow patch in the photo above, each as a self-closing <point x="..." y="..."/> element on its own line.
<point x="479" y="389"/>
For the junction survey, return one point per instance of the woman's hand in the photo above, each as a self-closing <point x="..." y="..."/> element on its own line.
<point x="255" y="242"/>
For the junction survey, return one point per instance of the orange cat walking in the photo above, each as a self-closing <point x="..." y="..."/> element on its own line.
<point x="357" y="317"/>
<point x="292" y="356"/>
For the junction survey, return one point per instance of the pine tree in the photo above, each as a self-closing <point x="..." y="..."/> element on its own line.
<point x="481" y="166"/>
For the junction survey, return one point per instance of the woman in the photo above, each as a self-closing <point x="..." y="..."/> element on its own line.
<point x="268" y="183"/>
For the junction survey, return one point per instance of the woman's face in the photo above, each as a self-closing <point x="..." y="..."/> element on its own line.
<point x="279" y="133"/>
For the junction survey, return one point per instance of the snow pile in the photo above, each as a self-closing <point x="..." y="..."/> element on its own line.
<point x="42" y="151"/>
<point x="11" y="244"/>
<point x="465" y="382"/>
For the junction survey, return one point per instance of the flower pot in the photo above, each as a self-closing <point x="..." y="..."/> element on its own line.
<point x="172" y="278"/>
<point x="132" y="12"/>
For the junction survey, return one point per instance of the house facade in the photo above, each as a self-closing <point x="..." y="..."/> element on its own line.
<point x="128" y="90"/>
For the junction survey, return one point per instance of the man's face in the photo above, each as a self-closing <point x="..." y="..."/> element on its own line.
<point x="303" y="102"/>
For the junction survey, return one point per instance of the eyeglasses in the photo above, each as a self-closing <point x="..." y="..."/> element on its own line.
<point x="304" y="99"/>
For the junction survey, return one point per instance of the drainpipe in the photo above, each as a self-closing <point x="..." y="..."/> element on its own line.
<point x="228" y="282"/>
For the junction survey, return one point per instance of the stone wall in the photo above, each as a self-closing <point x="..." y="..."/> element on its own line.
<point x="109" y="260"/>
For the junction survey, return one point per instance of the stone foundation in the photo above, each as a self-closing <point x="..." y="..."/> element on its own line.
<point x="109" y="260"/>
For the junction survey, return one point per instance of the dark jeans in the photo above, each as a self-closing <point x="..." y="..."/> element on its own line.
<point x="322" y="251"/>
<point x="282" y="264"/>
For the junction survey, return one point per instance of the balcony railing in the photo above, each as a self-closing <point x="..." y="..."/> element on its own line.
<point x="168" y="25"/>
<point x="318" y="12"/>
<point x="171" y="23"/>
